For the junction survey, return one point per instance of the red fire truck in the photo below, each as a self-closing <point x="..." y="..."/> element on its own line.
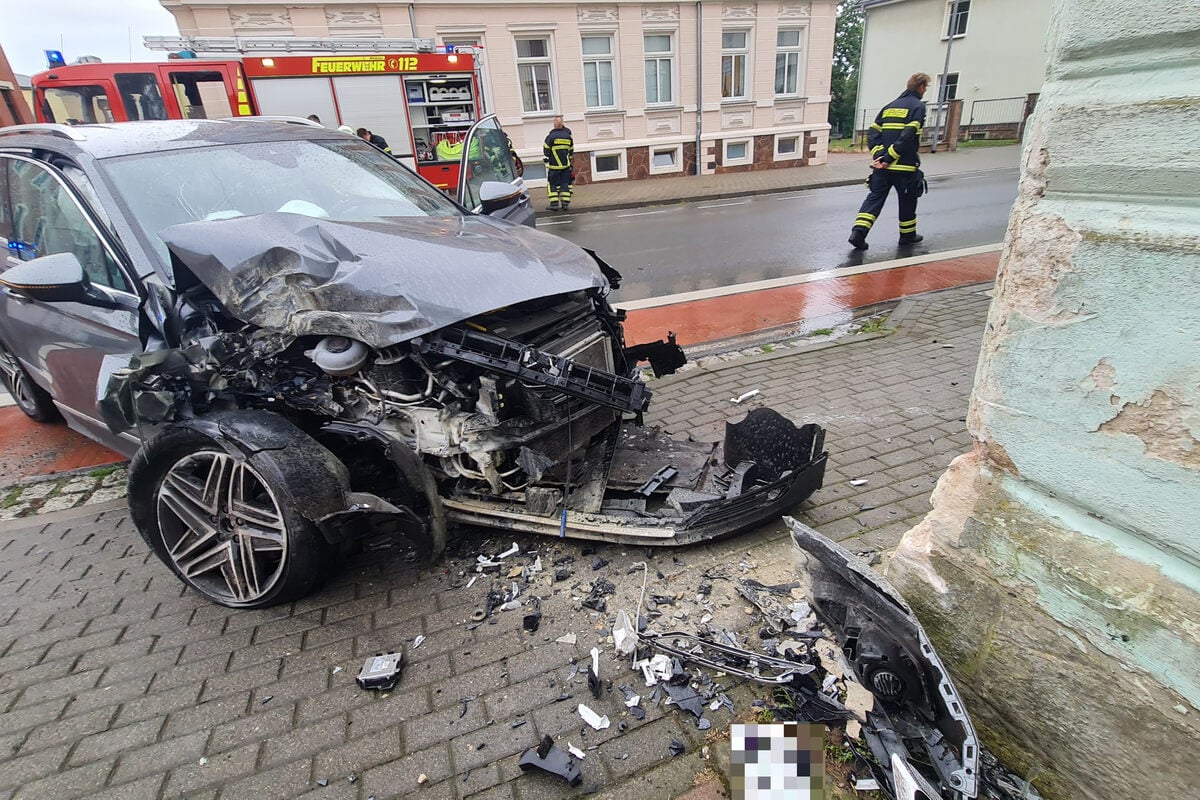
<point x="422" y="103"/>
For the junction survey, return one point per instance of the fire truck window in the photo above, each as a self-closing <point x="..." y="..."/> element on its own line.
<point x="140" y="95"/>
<point x="489" y="158"/>
<point x="201" y="95"/>
<point x="76" y="105"/>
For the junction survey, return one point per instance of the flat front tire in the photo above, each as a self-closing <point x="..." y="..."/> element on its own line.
<point x="225" y="521"/>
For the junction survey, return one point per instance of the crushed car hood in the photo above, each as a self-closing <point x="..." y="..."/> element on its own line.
<point x="379" y="282"/>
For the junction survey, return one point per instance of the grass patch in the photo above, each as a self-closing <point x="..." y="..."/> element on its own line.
<point x="768" y="348"/>
<point x="988" y="142"/>
<point x="821" y="332"/>
<point x="765" y="716"/>
<point x="11" y="499"/>
<point x="874" y="325"/>
<point x="102" y="472"/>
<point x="847" y="145"/>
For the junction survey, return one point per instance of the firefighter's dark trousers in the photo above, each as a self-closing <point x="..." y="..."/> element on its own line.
<point x="558" y="187"/>
<point x="880" y="183"/>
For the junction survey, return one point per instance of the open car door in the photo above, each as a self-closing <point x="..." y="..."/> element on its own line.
<point x="489" y="182"/>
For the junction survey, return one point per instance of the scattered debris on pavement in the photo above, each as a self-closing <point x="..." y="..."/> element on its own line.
<point x="549" y="757"/>
<point x="381" y="671"/>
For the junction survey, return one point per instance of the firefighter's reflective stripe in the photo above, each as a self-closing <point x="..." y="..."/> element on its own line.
<point x="891" y="113"/>
<point x="560" y="153"/>
<point x="893" y="126"/>
<point x="908" y="225"/>
<point x="902" y="167"/>
<point x="892" y="152"/>
<point x="876" y="149"/>
<point x="876" y="127"/>
<point x="864" y="220"/>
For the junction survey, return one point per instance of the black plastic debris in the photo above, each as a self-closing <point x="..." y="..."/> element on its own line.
<point x="598" y="562"/>
<point x="595" y="599"/>
<point x="381" y="671"/>
<point x="772" y="442"/>
<point x="686" y="698"/>
<point x="677" y="748"/>
<point x="532" y="621"/>
<point x="703" y="723"/>
<point x="562" y="574"/>
<point x="594" y="682"/>
<point x="548" y="757"/>
<point x="637" y="712"/>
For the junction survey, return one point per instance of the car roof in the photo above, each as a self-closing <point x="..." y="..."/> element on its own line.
<point x="114" y="139"/>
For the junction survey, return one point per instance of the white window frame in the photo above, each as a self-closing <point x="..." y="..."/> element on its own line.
<point x="951" y="5"/>
<point x="534" y="62"/>
<point x="615" y="174"/>
<point x="611" y="59"/>
<point x="937" y="96"/>
<point x="668" y="56"/>
<point x="787" y="51"/>
<point x="747" y="71"/>
<point x="676" y="167"/>
<point x="797" y="153"/>
<point x="728" y="161"/>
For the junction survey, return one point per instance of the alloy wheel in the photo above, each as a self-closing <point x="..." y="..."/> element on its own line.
<point x="222" y="527"/>
<point x="17" y="381"/>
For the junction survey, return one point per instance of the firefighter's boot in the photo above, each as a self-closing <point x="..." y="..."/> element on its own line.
<point x="911" y="238"/>
<point x="858" y="238"/>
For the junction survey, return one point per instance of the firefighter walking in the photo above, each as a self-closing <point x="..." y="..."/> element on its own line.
<point x="894" y="140"/>
<point x="557" y="151"/>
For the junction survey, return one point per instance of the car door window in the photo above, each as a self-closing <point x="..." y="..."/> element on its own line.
<point x="46" y="220"/>
<point x="487" y="157"/>
<point x="6" y="233"/>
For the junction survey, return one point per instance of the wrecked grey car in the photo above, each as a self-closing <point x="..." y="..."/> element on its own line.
<point x="306" y="347"/>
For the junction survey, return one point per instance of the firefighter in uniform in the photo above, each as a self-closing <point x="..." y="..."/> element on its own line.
<point x="894" y="139"/>
<point x="557" y="151"/>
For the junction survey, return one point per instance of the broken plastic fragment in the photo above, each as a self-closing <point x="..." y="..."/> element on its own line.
<point x="575" y="751"/>
<point x="567" y="638"/>
<point x="686" y="698"/>
<point x="550" y="758"/>
<point x="677" y="748"/>
<point x="381" y="671"/>
<point x="594" y="673"/>
<point x="745" y="396"/>
<point x="859" y="482"/>
<point x="632" y="702"/>
<point x="512" y="551"/>
<point x="532" y="621"/>
<point x="536" y="566"/>
<point x="471" y="582"/>
<point x="592" y="718"/>
<point x="624" y="636"/>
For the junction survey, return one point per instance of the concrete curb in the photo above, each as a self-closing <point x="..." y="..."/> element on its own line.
<point x="38" y="520"/>
<point x="55" y="476"/>
<point x="620" y="205"/>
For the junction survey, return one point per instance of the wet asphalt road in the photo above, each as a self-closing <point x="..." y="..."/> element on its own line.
<point x="706" y="244"/>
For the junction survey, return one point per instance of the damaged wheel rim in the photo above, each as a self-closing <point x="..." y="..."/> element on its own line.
<point x="222" y="527"/>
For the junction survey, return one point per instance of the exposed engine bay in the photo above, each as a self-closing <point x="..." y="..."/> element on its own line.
<point x="526" y="416"/>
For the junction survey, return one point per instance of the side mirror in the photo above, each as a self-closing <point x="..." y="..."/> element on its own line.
<point x="496" y="196"/>
<point x="58" y="278"/>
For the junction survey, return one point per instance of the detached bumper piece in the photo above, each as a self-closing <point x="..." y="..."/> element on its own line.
<point x="659" y="491"/>
<point x="921" y="740"/>
<point x="534" y="366"/>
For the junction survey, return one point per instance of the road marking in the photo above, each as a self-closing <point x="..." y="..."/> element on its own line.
<point x="555" y="222"/>
<point x="723" y="205"/>
<point x="643" y="213"/>
<point x="808" y="277"/>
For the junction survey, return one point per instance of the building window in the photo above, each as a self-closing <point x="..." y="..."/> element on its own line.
<point x="788" y="53"/>
<point x="735" y="52"/>
<point x="951" y="87"/>
<point x="535" y="74"/>
<point x="598" y="71"/>
<point x="737" y="152"/>
<point x="787" y="146"/>
<point x="608" y="165"/>
<point x="660" y="68"/>
<point x="666" y="159"/>
<point x="956" y="18"/>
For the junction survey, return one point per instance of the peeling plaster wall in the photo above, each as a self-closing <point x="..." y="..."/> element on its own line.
<point x="1060" y="566"/>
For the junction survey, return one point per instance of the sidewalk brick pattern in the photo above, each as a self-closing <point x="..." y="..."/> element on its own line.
<point x="115" y="682"/>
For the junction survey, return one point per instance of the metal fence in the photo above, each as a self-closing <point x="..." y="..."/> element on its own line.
<point x="1000" y="118"/>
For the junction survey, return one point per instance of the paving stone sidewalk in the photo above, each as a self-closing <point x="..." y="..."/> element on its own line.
<point x="117" y="683"/>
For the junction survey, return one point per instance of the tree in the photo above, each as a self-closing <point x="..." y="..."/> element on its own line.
<point x="847" y="51"/>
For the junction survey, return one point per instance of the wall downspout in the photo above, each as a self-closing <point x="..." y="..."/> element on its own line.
<point x="412" y="20"/>
<point x="699" y="82"/>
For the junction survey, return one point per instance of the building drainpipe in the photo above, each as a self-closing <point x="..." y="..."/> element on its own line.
<point x="699" y="82"/>
<point x="939" y="119"/>
<point x="412" y="20"/>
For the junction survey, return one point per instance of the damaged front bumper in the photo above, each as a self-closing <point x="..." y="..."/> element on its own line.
<point x="765" y="466"/>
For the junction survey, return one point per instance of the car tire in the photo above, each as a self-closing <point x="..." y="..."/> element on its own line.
<point x="222" y="511"/>
<point x="29" y="397"/>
